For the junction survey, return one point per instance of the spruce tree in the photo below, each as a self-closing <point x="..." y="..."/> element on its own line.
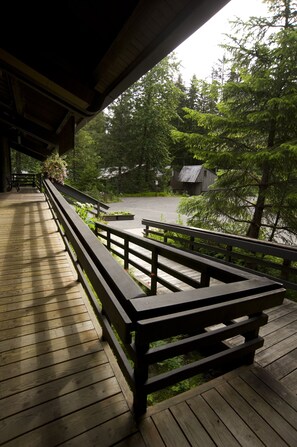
<point x="251" y="137"/>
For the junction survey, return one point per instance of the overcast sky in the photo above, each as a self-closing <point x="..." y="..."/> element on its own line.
<point x="200" y="51"/>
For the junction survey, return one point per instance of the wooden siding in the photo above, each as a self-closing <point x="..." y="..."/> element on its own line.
<point x="59" y="384"/>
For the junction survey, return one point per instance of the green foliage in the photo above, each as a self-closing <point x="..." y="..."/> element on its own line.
<point x="84" y="160"/>
<point x="138" y="131"/>
<point x="84" y="211"/>
<point x="250" y="135"/>
<point x="21" y="163"/>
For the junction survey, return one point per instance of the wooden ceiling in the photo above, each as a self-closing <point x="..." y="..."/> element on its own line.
<point x="61" y="62"/>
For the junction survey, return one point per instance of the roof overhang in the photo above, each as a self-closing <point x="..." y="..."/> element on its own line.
<point x="63" y="62"/>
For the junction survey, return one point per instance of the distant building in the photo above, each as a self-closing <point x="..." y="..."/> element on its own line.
<point x="193" y="180"/>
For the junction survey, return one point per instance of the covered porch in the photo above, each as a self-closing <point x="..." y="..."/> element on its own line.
<point x="61" y="385"/>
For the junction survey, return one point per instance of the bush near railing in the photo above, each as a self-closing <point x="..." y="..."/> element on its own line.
<point x="180" y="323"/>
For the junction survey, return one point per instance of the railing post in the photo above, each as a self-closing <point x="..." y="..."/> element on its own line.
<point x="126" y="252"/>
<point x="98" y="209"/>
<point x="154" y="271"/>
<point x="285" y="266"/>
<point x="228" y="256"/>
<point x="40" y="182"/>
<point x="165" y="237"/>
<point x="248" y="336"/>
<point x="146" y="231"/>
<point x="107" y="239"/>
<point x="192" y="243"/>
<point x="140" y="377"/>
<point x="204" y="279"/>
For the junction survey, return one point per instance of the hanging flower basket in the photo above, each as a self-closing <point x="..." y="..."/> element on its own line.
<point x="55" y="168"/>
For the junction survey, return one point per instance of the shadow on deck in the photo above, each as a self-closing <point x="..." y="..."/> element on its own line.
<point x="60" y="385"/>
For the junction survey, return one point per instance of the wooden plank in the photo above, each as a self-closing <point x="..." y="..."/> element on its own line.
<point x="41" y="361"/>
<point x="282" y="333"/>
<point x="31" y="282"/>
<point x="40" y="298"/>
<point x="276" y="351"/>
<point x="39" y="286"/>
<point x="41" y="326"/>
<point x="231" y="419"/>
<point x="257" y="424"/>
<point x="43" y="272"/>
<point x="46" y="412"/>
<point x="274" y="400"/>
<point x="59" y="387"/>
<point x="35" y="319"/>
<point x="275" y="386"/>
<point x="212" y="424"/>
<point x="290" y="381"/>
<point x="106" y="434"/>
<point x="37" y="310"/>
<point x="278" y="323"/>
<point x="30" y="339"/>
<point x="134" y="440"/>
<point x="150" y="433"/>
<point x="26" y="352"/>
<point x="73" y="424"/>
<point x="169" y="430"/>
<point x="191" y="426"/>
<point x="271" y="416"/>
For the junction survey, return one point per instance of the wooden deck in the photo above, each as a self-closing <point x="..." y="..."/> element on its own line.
<point x="59" y="385"/>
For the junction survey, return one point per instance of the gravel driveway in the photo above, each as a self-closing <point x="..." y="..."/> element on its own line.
<point x="156" y="208"/>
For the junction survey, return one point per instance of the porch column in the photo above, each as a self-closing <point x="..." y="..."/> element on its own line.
<point x="5" y="163"/>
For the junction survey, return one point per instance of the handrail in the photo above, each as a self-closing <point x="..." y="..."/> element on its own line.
<point x="131" y="321"/>
<point x="80" y="196"/>
<point x="209" y="268"/>
<point x="224" y="244"/>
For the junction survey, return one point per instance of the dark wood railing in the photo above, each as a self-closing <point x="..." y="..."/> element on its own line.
<point x="75" y="195"/>
<point x="132" y="322"/>
<point x="19" y="180"/>
<point x="275" y="261"/>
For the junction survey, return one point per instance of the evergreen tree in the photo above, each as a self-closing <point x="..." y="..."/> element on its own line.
<point x="118" y="144"/>
<point x="155" y="106"/>
<point x="252" y="136"/>
<point x="84" y="160"/>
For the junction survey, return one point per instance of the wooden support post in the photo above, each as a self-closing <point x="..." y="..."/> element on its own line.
<point x="140" y="377"/>
<point x="285" y="269"/>
<point x="108" y="239"/>
<point x="205" y="279"/>
<point x="126" y="252"/>
<point x="146" y="231"/>
<point x="248" y="336"/>
<point x="192" y="243"/>
<point x="228" y="256"/>
<point x="5" y="164"/>
<point x="154" y="271"/>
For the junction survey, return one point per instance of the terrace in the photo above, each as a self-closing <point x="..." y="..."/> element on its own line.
<point x="60" y="381"/>
<point x="77" y="334"/>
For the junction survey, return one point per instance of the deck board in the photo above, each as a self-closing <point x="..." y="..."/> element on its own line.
<point x="56" y="382"/>
<point x="59" y="384"/>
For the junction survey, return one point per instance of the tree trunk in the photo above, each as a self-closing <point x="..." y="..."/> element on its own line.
<point x="255" y="225"/>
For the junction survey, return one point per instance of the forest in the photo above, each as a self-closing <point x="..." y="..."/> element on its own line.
<point x="241" y="124"/>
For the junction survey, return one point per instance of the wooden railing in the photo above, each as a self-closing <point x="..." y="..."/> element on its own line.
<point x="75" y="195"/>
<point x="179" y="322"/>
<point x="275" y="261"/>
<point x="19" y="180"/>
